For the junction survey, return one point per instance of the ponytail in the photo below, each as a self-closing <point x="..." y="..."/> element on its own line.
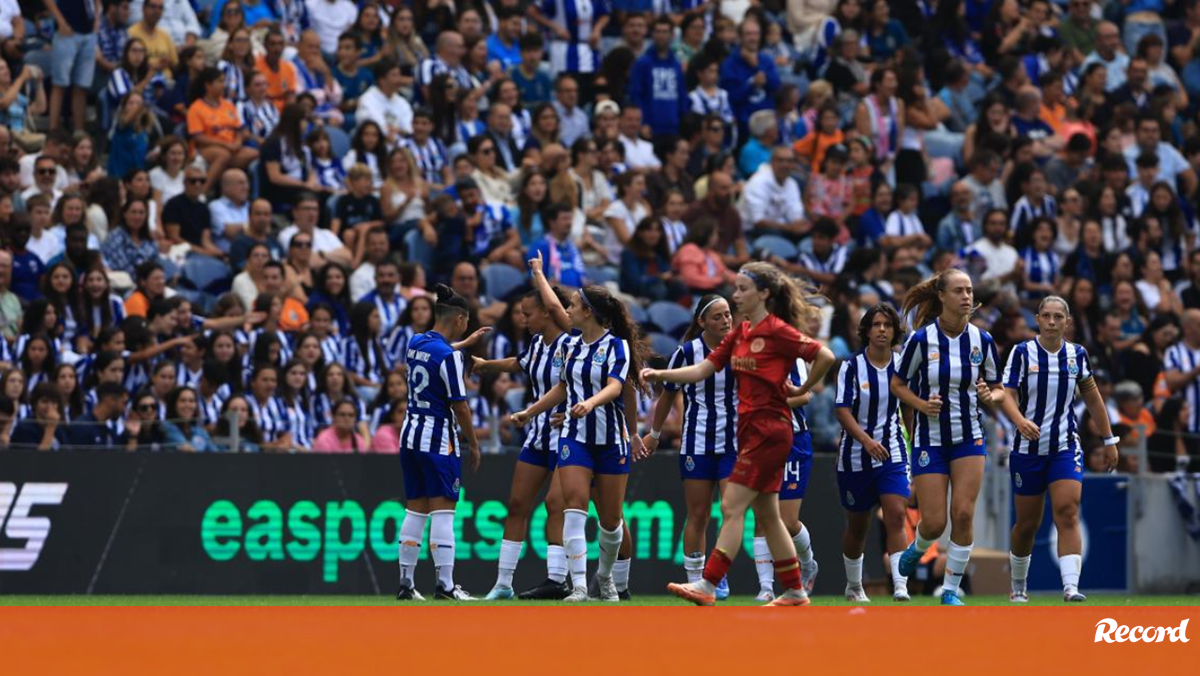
<point x="694" y="329"/>
<point x="611" y="313"/>
<point x="925" y="299"/>
<point x="789" y="299"/>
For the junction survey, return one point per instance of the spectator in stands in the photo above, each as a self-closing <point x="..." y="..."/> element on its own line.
<point x="376" y="249"/>
<point x="216" y="130"/>
<point x="46" y="430"/>
<point x="182" y="429"/>
<point x="187" y="219"/>
<point x="342" y="436"/>
<point x="282" y="80"/>
<point x="93" y="430"/>
<point x="326" y="245"/>
<point x="10" y="305"/>
<point x="237" y="415"/>
<point x="639" y="153"/>
<point x="572" y="121"/>
<point x="27" y="266"/>
<point x="698" y="263"/>
<point x="231" y="213"/>
<point x="331" y="18"/>
<point x="764" y="135"/>
<point x="131" y="243"/>
<point x="383" y="105"/>
<point x="45" y="169"/>
<point x="673" y="153"/>
<point x="657" y="85"/>
<point x="771" y="203"/>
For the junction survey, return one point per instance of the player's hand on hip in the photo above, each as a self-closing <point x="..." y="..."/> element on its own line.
<point x="1028" y="430"/>
<point x="932" y="407"/>
<point x="876" y="450"/>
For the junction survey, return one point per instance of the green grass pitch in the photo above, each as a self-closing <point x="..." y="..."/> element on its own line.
<point x="641" y="600"/>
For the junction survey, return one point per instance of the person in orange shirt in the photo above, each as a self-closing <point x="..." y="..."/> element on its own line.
<point x="280" y="74"/>
<point x="215" y="128"/>
<point x="811" y="149"/>
<point x="292" y="315"/>
<point x="151" y="285"/>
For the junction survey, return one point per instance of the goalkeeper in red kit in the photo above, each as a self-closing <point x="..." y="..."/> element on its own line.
<point x="762" y="352"/>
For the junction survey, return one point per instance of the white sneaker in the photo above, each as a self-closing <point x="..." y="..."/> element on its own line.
<point x="900" y="595"/>
<point x="456" y="594"/>
<point x="808" y="575"/>
<point x="856" y="594"/>
<point x="607" y="590"/>
<point x="578" y="595"/>
<point x="765" y="595"/>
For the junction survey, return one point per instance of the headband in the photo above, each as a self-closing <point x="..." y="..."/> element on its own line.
<point x="588" y="303"/>
<point x="754" y="278"/>
<point x="707" y="305"/>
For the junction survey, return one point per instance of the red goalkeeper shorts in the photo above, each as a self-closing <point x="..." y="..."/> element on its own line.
<point x="764" y="441"/>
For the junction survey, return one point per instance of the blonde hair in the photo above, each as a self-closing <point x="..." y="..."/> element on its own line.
<point x="788" y="298"/>
<point x="358" y="171"/>
<point x="925" y="298"/>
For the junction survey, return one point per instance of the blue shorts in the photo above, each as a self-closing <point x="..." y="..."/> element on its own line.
<point x="1033" y="474"/>
<point x="538" y="458"/>
<point x="708" y="467"/>
<point x="601" y="459"/>
<point x="860" y="491"/>
<point x="799" y="464"/>
<point x="430" y="475"/>
<point x="74" y="60"/>
<point x="937" y="459"/>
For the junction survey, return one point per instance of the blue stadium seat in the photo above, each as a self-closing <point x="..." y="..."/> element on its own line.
<point x="776" y="245"/>
<point x="669" y="317"/>
<point x="207" y="274"/>
<point x="339" y="142"/>
<point x="601" y="275"/>
<point x="638" y="313"/>
<point x="202" y="303"/>
<point x="500" y="280"/>
<point x="663" y="345"/>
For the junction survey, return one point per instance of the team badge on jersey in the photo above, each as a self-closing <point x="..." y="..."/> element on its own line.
<point x="933" y="356"/>
<point x="558" y="359"/>
<point x="600" y="356"/>
<point x="757" y="345"/>
<point x="849" y="498"/>
<point x="690" y="464"/>
<point x="1034" y="368"/>
<point x="1017" y="480"/>
<point x="866" y="384"/>
<point x="1072" y="367"/>
<point x="924" y="459"/>
<point x="457" y="485"/>
<point x="566" y="452"/>
<point x="976" y="356"/>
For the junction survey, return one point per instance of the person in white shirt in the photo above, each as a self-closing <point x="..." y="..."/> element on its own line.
<point x="771" y="202"/>
<point x="1003" y="262"/>
<point x="44" y="181"/>
<point x="331" y="18"/>
<point x="326" y="245"/>
<point x="230" y="214"/>
<point x="10" y="17"/>
<point x="57" y="148"/>
<point x="383" y="105"/>
<point x="904" y="227"/>
<point x="362" y="281"/>
<point x="639" y="153"/>
<point x="42" y="241"/>
<point x="1172" y="166"/>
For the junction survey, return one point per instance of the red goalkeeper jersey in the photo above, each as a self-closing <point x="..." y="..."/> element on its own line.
<point x="762" y="357"/>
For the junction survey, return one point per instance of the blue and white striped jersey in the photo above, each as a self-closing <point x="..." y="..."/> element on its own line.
<point x="273" y="416"/>
<point x="185" y="377"/>
<point x="210" y="409"/>
<point x="1182" y="357"/>
<point x="542" y="363"/>
<point x="833" y="263"/>
<point x="496" y="222"/>
<point x="372" y="365"/>
<point x="1045" y="385"/>
<point x="395" y="344"/>
<point x="709" y="406"/>
<point x="434" y="66"/>
<point x="431" y="157"/>
<point x="96" y="321"/>
<point x="435" y="380"/>
<point x="303" y="429"/>
<point x="934" y="363"/>
<point x="322" y="410"/>
<point x="797" y="376"/>
<point x="1024" y="212"/>
<point x="235" y="81"/>
<point x="577" y="16"/>
<point x="251" y="339"/>
<point x="701" y="102"/>
<point x="389" y="310"/>
<point x="259" y="119"/>
<point x="586" y="370"/>
<point x="332" y="350"/>
<point x="1041" y="267"/>
<point x="866" y="390"/>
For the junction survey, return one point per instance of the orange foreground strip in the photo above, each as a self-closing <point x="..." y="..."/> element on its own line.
<point x="589" y="640"/>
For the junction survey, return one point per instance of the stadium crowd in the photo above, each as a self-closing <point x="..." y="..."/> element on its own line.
<point x="215" y="206"/>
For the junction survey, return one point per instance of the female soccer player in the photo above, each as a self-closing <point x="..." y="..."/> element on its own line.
<point x="430" y="448"/>
<point x="872" y="455"/>
<point x="791" y="498"/>
<point x="595" y="443"/>
<point x="708" y="448"/>
<point x="541" y="363"/>
<point x="949" y="367"/>
<point x="761" y="352"/>
<point x="1040" y="380"/>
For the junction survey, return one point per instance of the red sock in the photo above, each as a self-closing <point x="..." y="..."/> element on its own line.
<point x="717" y="566"/>
<point x="788" y="573"/>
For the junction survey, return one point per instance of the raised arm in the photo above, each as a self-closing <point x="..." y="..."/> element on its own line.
<point x="558" y="313"/>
